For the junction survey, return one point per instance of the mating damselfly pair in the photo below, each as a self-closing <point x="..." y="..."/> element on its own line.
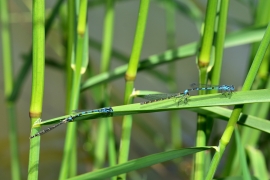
<point x="108" y="111"/>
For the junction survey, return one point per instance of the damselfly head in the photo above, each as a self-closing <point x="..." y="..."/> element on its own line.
<point x="232" y="87"/>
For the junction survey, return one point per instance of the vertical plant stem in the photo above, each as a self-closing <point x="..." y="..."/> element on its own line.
<point x="19" y="81"/>
<point x="70" y="48"/>
<point x="201" y="138"/>
<point x="175" y="120"/>
<point x="170" y="23"/>
<point x="219" y="45"/>
<point x="8" y="86"/>
<point x="130" y="77"/>
<point x="261" y="19"/>
<point x="257" y="110"/>
<point x="69" y="163"/>
<point x="208" y="34"/>
<point x="107" y="35"/>
<point x="37" y="82"/>
<point x="226" y="137"/>
<point x="204" y="65"/>
<point x="105" y="131"/>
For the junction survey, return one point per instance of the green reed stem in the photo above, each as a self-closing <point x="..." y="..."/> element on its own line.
<point x="23" y="72"/>
<point x="204" y="65"/>
<point x="105" y="125"/>
<point x="175" y="121"/>
<point x="219" y="44"/>
<point x="130" y="77"/>
<point x="8" y="86"/>
<point x="37" y="82"/>
<point x="71" y="14"/>
<point x="226" y="137"/>
<point x="261" y="19"/>
<point x="69" y="162"/>
<point x="208" y="34"/>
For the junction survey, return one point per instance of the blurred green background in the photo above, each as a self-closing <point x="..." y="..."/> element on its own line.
<point x="234" y="68"/>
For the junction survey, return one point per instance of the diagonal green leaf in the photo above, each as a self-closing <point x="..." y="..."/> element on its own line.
<point x="202" y="104"/>
<point x="241" y="37"/>
<point x="140" y="163"/>
<point x="246" y="120"/>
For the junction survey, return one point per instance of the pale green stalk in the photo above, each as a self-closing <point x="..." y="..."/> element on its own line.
<point x="37" y="82"/>
<point x="130" y="77"/>
<point x="8" y="86"/>
<point x="69" y="162"/>
<point x="204" y="65"/>
<point x="225" y="139"/>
